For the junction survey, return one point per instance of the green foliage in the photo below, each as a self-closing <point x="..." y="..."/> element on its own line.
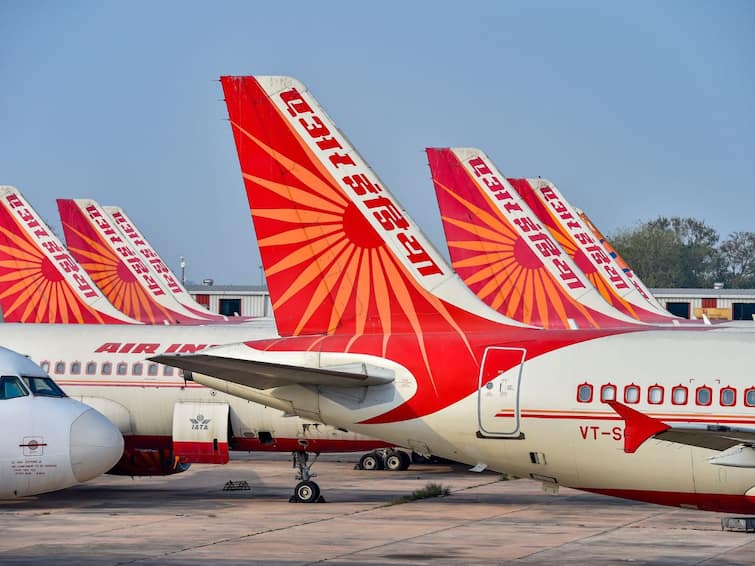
<point x="430" y="490"/>
<point x="684" y="252"/>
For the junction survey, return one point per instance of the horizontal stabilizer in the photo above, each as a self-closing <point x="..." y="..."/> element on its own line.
<point x="639" y="427"/>
<point x="265" y="375"/>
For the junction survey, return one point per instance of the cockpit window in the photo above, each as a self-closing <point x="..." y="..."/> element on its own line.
<point x="11" y="387"/>
<point x="43" y="386"/>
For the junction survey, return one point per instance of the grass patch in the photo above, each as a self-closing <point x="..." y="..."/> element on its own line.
<point x="430" y="490"/>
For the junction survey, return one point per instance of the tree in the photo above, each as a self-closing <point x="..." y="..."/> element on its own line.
<point x="738" y="260"/>
<point x="671" y="252"/>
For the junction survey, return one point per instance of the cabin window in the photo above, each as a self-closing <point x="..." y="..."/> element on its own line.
<point x="137" y="368"/>
<point x="679" y="395"/>
<point x="11" y="387"/>
<point x="703" y="396"/>
<point x="75" y="368"/>
<point x="152" y="370"/>
<point x="750" y="397"/>
<point x="655" y="394"/>
<point x="107" y="368"/>
<point x="608" y="392"/>
<point x="91" y="368"/>
<point x="45" y="366"/>
<point x="167" y="371"/>
<point x="121" y="368"/>
<point x="584" y="393"/>
<point x="728" y="397"/>
<point x="60" y="368"/>
<point x="632" y="394"/>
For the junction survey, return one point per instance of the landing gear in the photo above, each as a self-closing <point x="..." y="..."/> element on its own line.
<point x="397" y="460"/>
<point x="389" y="459"/>
<point x="306" y="491"/>
<point x="371" y="461"/>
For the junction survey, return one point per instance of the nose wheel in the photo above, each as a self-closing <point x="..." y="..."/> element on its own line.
<point x="306" y="491"/>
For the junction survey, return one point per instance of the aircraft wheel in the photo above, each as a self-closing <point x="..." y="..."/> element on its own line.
<point x="397" y="460"/>
<point x="371" y="461"/>
<point x="307" y="491"/>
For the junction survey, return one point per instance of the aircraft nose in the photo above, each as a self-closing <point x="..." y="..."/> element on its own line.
<point x="96" y="445"/>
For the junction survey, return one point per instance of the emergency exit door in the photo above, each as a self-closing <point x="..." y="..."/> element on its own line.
<point x="498" y="392"/>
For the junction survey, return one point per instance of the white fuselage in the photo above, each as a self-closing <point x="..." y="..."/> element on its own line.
<point x="532" y="423"/>
<point x="139" y="397"/>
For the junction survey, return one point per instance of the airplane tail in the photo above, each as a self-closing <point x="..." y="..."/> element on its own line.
<point x="575" y="237"/>
<point x="502" y="251"/>
<point x="39" y="281"/>
<point x="115" y="267"/>
<point x="642" y="289"/>
<point x="160" y="269"/>
<point x="340" y="254"/>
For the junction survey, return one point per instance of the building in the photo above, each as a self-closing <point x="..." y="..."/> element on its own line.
<point x="230" y="300"/>
<point x="716" y="304"/>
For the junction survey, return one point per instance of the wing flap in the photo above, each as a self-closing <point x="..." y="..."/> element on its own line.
<point x="265" y="375"/>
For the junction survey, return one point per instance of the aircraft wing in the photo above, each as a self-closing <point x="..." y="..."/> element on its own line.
<point x="265" y="375"/>
<point x="639" y="427"/>
<point x="713" y="437"/>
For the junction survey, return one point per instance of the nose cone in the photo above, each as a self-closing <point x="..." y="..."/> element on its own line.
<point x="96" y="445"/>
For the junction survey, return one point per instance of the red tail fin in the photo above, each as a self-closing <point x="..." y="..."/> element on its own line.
<point x="340" y="255"/>
<point x="566" y="226"/>
<point x="636" y="281"/>
<point x="502" y="251"/>
<point x="159" y="269"/>
<point x="116" y="269"/>
<point x="39" y="280"/>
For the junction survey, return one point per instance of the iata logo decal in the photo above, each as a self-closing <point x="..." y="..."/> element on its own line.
<point x="200" y="423"/>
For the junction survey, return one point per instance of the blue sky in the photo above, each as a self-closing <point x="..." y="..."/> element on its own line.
<point x="633" y="110"/>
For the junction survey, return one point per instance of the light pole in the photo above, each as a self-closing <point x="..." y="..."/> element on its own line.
<point x="182" y="263"/>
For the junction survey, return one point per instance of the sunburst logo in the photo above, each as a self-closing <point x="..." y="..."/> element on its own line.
<point x="32" y="288"/>
<point x="572" y="247"/>
<point x="328" y="269"/>
<point x="491" y="255"/>
<point x="108" y="271"/>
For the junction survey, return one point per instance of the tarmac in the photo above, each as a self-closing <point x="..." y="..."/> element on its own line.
<point x="188" y="519"/>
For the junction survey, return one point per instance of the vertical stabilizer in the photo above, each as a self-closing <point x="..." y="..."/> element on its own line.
<point x="158" y="267"/>
<point x="115" y="267"/>
<point x="576" y="238"/>
<point x="504" y="253"/>
<point x="340" y="254"/>
<point x="39" y="280"/>
<point x="631" y="275"/>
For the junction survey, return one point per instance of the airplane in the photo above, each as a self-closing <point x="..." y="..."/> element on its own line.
<point x="378" y="335"/>
<point x="504" y="253"/>
<point x="97" y="243"/>
<point x="40" y="280"/>
<point x="113" y="377"/>
<point x="575" y="237"/>
<point x="159" y="268"/>
<point x="49" y="441"/>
